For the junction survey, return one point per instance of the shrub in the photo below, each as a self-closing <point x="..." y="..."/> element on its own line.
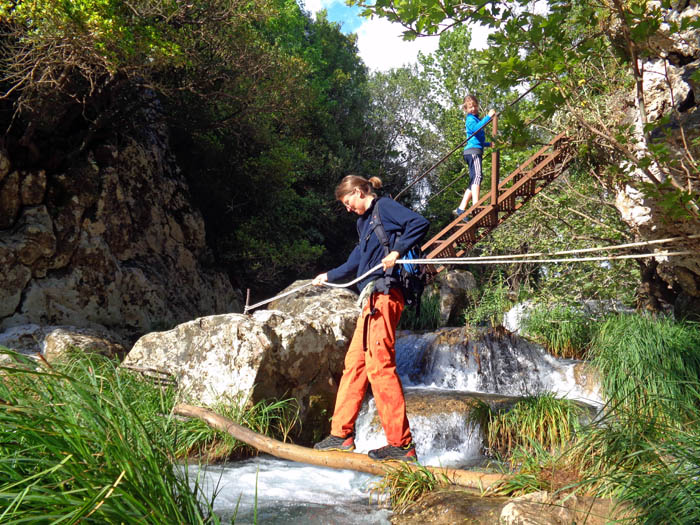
<point x="564" y="331"/>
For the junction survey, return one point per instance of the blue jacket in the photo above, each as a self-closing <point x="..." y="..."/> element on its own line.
<point x="370" y="252"/>
<point x="471" y="124"/>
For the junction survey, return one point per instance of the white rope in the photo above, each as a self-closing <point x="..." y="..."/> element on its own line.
<point x="499" y="259"/>
<point x="487" y="260"/>
<point x="583" y="250"/>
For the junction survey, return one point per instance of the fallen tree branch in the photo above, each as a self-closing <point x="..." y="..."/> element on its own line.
<point x="337" y="460"/>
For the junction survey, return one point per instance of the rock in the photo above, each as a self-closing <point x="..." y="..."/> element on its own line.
<point x="4" y="164"/>
<point x="269" y="355"/>
<point x="453" y="287"/>
<point x="52" y="342"/>
<point x="113" y="241"/>
<point x="9" y="200"/>
<point x="540" y="508"/>
<point x="32" y="188"/>
<point x="450" y="506"/>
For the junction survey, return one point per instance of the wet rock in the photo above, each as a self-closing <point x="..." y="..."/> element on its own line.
<point x="541" y="508"/>
<point x="451" y="506"/>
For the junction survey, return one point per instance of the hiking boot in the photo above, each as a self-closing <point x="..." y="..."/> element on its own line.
<point x="457" y="212"/>
<point x="389" y="452"/>
<point x="346" y="444"/>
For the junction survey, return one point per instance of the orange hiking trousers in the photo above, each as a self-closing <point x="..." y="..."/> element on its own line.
<point x="375" y="366"/>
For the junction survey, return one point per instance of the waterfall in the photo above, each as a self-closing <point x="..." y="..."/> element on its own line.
<point x="444" y="374"/>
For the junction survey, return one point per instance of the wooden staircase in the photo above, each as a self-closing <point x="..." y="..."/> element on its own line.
<point x="504" y="199"/>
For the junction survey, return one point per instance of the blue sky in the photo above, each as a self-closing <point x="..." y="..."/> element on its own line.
<point x="379" y="42"/>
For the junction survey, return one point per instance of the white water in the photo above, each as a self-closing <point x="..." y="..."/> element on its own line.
<point x="291" y="493"/>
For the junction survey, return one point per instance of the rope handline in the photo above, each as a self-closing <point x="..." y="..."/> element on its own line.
<point x="445" y="157"/>
<point x="502" y="259"/>
<point x="582" y="250"/>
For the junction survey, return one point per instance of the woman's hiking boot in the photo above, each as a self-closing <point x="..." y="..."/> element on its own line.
<point x="346" y="444"/>
<point x="389" y="452"/>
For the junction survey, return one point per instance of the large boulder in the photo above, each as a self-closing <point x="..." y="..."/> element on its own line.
<point x="268" y="355"/>
<point x="452" y="288"/>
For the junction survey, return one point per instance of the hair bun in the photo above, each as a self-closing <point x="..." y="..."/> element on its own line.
<point x="376" y="182"/>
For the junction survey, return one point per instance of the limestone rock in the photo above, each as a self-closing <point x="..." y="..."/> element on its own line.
<point x="4" y="164"/>
<point x="52" y="342"/>
<point x="32" y="188"/>
<point x="451" y="506"/>
<point x="541" y="508"/>
<point x="9" y="200"/>
<point x="453" y="288"/>
<point x="269" y="355"/>
<point x="112" y="241"/>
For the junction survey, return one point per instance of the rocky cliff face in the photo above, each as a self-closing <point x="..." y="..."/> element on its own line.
<point x="671" y="91"/>
<point x="112" y="241"/>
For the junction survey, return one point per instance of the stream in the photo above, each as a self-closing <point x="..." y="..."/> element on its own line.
<point x="438" y="372"/>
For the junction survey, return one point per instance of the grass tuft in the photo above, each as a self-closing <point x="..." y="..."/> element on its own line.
<point x="564" y="331"/>
<point x="403" y="485"/>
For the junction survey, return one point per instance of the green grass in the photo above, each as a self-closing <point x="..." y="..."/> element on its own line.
<point x="86" y="444"/>
<point x="403" y="485"/>
<point x="85" y="441"/>
<point x="649" y="366"/>
<point x="564" y="331"/>
<point x="275" y="419"/>
<point x="544" y="420"/>
<point x="644" y="450"/>
<point x="429" y="318"/>
<point x="493" y="302"/>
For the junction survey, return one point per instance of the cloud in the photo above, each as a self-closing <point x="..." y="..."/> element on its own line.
<point x="381" y="46"/>
<point x="380" y="42"/>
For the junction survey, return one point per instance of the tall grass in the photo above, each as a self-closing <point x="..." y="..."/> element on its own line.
<point x="542" y="419"/>
<point x="649" y="366"/>
<point x="644" y="450"/>
<point x="429" y="317"/>
<point x="87" y="444"/>
<point x="86" y="441"/>
<point x="493" y="303"/>
<point x="564" y="331"/>
<point x="275" y="419"/>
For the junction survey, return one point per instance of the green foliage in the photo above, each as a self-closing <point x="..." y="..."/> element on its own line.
<point x="88" y="443"/>
<point x="493" y="302"/>
<point x="650" y="366"/>
<point x="564" y="331"/>
<point x="429" y="318"/>
<point x="544" y="420"/>
<point x="405" y="484"/>
<point x="644" y="448"/>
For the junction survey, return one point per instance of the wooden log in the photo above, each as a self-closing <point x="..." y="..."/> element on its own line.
<point x="332" y="459"/>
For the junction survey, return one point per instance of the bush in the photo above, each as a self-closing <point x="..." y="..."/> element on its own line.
<point x="564" y="331"/>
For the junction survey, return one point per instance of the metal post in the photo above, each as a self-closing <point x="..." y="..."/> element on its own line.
<point x="495" y="161"/>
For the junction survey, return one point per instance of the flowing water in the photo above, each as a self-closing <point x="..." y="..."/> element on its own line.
<point x="440" y="372"/>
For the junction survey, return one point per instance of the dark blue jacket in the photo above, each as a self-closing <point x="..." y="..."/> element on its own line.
<point x="370" y="252"/>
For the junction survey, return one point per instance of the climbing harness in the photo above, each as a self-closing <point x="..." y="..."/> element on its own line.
<point x="511" y="259"/>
